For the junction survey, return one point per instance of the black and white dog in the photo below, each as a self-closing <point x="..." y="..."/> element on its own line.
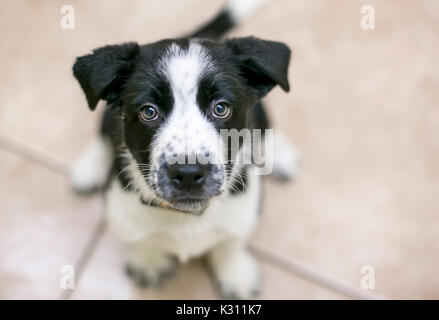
<point x="170" y="100"/>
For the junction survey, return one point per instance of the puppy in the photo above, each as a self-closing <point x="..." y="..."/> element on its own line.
<point x="174" y="187"/>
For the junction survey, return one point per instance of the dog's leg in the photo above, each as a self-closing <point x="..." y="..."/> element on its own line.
<point x="285" y="157"/>
<point x="235" y="270"/>
<point x="90" y="172"/>
<point x="149" y="266"/>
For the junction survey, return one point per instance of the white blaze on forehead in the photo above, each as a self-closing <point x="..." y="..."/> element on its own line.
<point x="187" y="131"/>
<point x="184" y="69"/>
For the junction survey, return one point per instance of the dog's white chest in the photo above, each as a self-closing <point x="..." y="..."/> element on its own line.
<point x="186" y="245"/>
<point x="184" y="235"/>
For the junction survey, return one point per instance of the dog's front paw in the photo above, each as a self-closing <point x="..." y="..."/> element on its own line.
<point x="237" y="275"/>
<point x="150" y="268"/>
<point x="145" y="279"/>
<point x="90" y="172"/>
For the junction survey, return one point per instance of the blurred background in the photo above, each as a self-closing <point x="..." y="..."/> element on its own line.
<point x="363" y="111"/>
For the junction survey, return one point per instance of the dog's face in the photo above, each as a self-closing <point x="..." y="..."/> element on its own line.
<point x="174" y="97"/>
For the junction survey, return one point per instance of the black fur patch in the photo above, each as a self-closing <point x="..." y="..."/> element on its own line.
<point x="216" y="27"/>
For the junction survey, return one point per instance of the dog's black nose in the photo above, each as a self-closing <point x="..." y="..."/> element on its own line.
<point x="187" y="177"/>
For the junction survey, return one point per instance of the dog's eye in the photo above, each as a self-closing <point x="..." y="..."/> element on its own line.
<point x="148" y="113"/>
<point x="221" y="110"/>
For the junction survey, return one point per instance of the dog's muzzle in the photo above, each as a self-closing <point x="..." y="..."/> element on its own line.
<point x="189" y="187"/>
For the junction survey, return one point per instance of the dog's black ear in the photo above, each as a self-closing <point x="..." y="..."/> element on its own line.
<point x="102" y="73"/>
<point x="264" y="64"/>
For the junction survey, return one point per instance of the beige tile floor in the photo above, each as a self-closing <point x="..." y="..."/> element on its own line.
<point x="363" y="111"/>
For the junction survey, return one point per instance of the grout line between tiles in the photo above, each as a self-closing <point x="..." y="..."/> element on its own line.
<point x="309" y="273"/>
<point x="288" y="265"/>
<point x="33" y="155"/>
<point x="60" y="168"/>
<point x="86" y="254"/>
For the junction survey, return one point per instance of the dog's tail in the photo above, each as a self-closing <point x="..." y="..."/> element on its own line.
<point x="231" y="15"/>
